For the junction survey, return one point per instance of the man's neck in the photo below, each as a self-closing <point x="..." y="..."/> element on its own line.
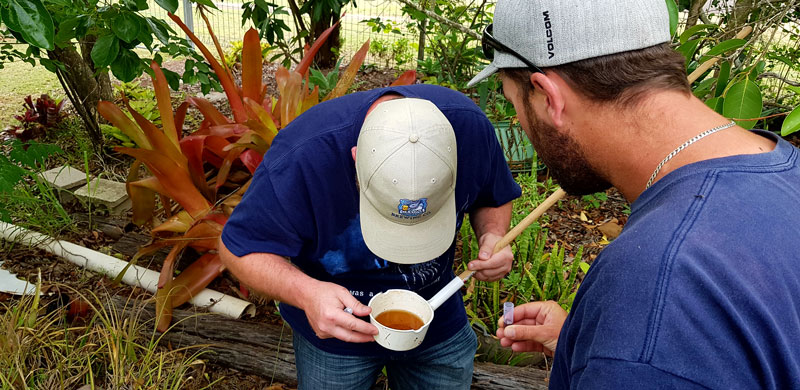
<point x="626" y="145"/>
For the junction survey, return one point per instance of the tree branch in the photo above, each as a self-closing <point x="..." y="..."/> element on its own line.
<point x="441" y="19"/>
<point x="773" y="75"/>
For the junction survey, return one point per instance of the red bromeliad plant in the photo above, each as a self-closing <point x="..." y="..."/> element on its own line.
<point x="188" y="172"/>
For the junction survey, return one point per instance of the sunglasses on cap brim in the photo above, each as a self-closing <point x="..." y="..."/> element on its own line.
<point x="489" y="45"/>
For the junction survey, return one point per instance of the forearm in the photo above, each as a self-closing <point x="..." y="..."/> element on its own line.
<point x="270" y="275"/>
<point x="495" y="220"/>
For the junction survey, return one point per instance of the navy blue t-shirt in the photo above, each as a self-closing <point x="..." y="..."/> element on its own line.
<point x="303" y="204"/>
<point x="701" y="289"/>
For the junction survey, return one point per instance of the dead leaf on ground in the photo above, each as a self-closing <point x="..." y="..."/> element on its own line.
<point x="610" y="228"/>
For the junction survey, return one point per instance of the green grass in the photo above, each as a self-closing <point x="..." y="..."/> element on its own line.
<point x="19" y="79"/>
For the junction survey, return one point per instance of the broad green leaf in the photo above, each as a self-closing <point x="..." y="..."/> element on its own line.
<point x="169" y="5"/>
<point x="743" y="101"/>
<point x="52" y="65"/>
<point x="85" y="22"/>
<point x="66" y="31"/>
<point x="694" y="30"/>
<point x="161" y="33"/>
<point x="173" y="79"/>
<point x="126" y="26"/>
<point x="31" y="19"/>
<point x="756" y="70"/>
<point x="5" y="17"/>
<point x="715" y="104"/>
<point x="792" y="122"/>
<point x="688" y="49"/>
<point x="722" y="80"/>
<point x="722" y="48"/>
<point x="672" y="7"/>
<point x="704" y="87"/>
<point x="105" y="51"/>
<point x="144" y="34"/>
<point x="127" y="66"/>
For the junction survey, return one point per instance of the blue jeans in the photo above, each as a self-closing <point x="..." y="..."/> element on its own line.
<point x="447" y="365"/>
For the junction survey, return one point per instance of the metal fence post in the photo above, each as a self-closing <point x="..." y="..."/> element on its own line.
<point x="188" y="18"/>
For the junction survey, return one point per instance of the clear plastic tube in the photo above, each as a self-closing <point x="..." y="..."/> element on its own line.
<point x="508" y="313"/>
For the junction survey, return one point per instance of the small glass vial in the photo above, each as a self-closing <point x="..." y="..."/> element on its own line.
<point x="508" y="313"/>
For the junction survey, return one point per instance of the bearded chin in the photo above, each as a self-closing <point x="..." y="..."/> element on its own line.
<point x="565" y="159"/>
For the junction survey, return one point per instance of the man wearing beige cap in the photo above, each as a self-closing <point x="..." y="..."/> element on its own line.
<point x="701" y="288"/>
<point x="363" y="194"/>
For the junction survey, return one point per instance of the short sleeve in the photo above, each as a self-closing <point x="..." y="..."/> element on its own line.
<point x="602" y="373"/>
<point x="260" y="223"/>
<point x="498" y="186"/>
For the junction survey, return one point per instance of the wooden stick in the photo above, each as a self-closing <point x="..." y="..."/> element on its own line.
<point x="521" y="226"/>
<point x="711" y="62"/>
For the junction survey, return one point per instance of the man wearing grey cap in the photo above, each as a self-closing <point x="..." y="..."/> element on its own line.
<point x="365" y="193"/>
<point x="701" y="288"/>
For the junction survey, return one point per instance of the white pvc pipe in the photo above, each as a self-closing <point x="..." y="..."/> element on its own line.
<point x="215" y="301"/>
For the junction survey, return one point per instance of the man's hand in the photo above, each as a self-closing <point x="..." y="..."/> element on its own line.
<point x="325" y="312"/>
<point x="491" y="267"/>
<point x="535" y="329"/>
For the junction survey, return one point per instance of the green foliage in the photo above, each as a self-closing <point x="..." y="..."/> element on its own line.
<point x="326" y="83"/>
<point x="25" y="198"/>
<point x="266" y="17"/>
<point x="734" y="87"/>
<point x="452" y="58"/>
<point x="234" y="53"/>
<point x="378" y="25"/>
<point x="111" y="31"/>
<point x="792" y="122"/>
<point x="594" y="200"/>
<point x="141" y="99"/>
<point x="536" y="274"/>
<point x="41" y="349"/>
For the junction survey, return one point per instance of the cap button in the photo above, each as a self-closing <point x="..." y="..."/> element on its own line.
<point x="413" y="138"/>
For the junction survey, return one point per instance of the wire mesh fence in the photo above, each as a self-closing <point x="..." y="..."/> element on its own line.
<point x="226" y="23"/>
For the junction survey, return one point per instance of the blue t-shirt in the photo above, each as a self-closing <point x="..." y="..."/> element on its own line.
<point x="303" y="203"/>
<point x="701" y="289"/>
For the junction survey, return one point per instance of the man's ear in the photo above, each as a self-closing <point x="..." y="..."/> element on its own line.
<point x="353" y="152"/>
<point x="554" y="96"/>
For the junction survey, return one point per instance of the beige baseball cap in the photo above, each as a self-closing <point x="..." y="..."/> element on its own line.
<point x="406" y="167"/>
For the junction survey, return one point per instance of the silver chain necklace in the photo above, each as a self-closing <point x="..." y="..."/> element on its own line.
<point x="685" y="144"/>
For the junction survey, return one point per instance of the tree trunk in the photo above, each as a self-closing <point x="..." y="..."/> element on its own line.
<point x="422" y="31"/>
<point x="326" y="57"/>
<point x="105" y="91"/>
<point x="266" y="349"/>
<point x="83" y="89"/>
<point x="694" y="12"/>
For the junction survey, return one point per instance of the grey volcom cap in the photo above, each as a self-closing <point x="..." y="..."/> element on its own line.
<point x="555" y="32"/>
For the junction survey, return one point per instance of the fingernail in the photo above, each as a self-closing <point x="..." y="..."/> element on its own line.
<point x="509" y="332"/>
<point x="471" y="266"/>
<point x="484" y="254"/>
